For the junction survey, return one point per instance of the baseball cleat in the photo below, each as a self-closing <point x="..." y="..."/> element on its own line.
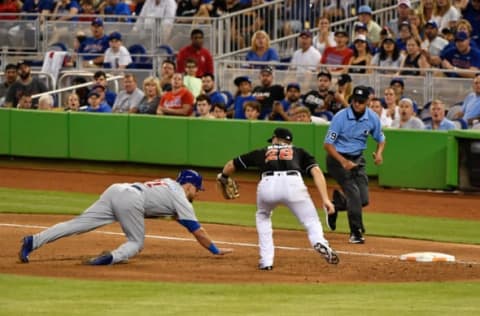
<point x="265" y="268"/>
<point x="27" y="248"/>
<point x="356" y="239"/>
<point x="331" y="220"/>
<point x="105" y="258"/>
<point x="328" y="253"/>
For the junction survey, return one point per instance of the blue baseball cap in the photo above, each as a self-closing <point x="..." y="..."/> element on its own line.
<point x="432" y="23"/>
<point x="365" y="9"/>
<point x="461" y="36"/>
<point x="97" y="22"/>
<point x="241" y="79"/>
<point x="293" y="85"/>
<point x="115" y="36"/>
<point x="190" y="176"/>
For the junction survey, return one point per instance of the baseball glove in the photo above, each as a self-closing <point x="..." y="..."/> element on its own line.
<point x="227" y="186"/>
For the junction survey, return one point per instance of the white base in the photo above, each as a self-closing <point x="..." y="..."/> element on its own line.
<point x="427" y="257"/>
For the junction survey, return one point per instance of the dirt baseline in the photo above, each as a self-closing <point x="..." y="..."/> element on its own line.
<point x="179" y="260"/>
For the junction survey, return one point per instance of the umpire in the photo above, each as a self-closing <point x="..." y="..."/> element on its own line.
<point x="345" y="142"/>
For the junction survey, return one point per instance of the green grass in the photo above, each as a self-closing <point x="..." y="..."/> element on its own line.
<point x="45" y="296"/>
<point x="379" y="224"/>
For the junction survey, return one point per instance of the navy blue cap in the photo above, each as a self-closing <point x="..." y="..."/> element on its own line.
<point x="190" y="176"/>
<point x="241" y="79"/>
<point x="115" y="36"/>
<point x="397" y="80"/>
<point x="283" y="133"/>
<point x="293" y="85"/>
<point x="97" y="22"/>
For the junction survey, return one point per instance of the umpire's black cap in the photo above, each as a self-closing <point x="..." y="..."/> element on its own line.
<point x="361" y="93"/>
<point x="281" y="133"/>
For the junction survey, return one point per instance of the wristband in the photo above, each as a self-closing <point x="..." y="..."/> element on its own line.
<point x="213" y="249"/>
<point x="224" y="176"/>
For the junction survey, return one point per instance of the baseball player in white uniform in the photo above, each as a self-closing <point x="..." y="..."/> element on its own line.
<point x="129" y="204"/>
<point x="281" y="165"/>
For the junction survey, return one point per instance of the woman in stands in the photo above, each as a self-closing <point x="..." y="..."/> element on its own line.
<point x="151" y="99"/>
<point x="445" y="14"/>
<point x="390" y="103"/>
<point x="73" y="102"/>
<point x="325" y="37"/>
<point x="261" y="50"/>
<point x="415" y="58"/>
<point x="361" y="56"/>
<point x="388" y="56"/>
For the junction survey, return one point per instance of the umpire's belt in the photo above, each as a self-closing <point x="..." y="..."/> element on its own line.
<point x="351" y="157"/>
<point x="280" y="173"/>
<point x="137" y="187"/>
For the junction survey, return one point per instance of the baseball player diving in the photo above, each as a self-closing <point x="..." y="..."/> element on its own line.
<point x="129" y="204"/>
<point x="281" y="165"/>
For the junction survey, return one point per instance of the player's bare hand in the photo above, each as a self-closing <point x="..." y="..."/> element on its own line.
<point x="348" y="164"/>
<point x="224" y="251"/>
<point x="328" y="205"/>
<point x="377" y="158"/>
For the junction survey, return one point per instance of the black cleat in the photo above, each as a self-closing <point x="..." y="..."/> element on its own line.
<point x="105" y="258"/>
<point x="265" y="268"/>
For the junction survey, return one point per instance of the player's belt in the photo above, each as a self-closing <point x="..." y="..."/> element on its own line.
<point x="280" y="173"/>
<point x="137" y="187"/>
<point x="351" y="157"/>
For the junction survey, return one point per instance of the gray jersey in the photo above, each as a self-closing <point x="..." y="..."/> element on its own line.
<point x="166" y="197"/>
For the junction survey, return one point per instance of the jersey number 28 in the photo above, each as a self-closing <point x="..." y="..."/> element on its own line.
<point x="279" y="154"/>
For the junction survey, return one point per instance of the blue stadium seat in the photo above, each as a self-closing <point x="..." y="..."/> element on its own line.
<point x="228" y="96"/>
<point x="140" y="59"/>
<point x="166" y="51"/>
<point x="461" y="123"/>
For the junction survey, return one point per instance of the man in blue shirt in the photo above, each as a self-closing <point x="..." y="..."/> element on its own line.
<point x="95" y="103"/>
<point x="345" y="142"/>
<point x="471" y="105"/>
<point x="462" y="56"/>
<point x="439" y="121"/>
<point x="93" y="48"/>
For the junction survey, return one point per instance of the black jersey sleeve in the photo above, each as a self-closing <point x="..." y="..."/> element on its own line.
<point x="307" y="161"/>
<point x="252" y="159"/>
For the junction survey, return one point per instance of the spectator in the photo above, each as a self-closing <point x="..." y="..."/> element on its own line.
<point x="426" y="9"/>
<point x="267" y="92"/>
<point x="25" y="102"/>
<point x="322" y="99"/>
<point x="417" y="24"/>
<point x="87" y="11"/>
<point x="151" y="98"/>
<point x="294" y="15"/>
<point x="301" y="113"/>
<point x="219" y="111"/>
<point x="462" y="56"/>
<point x="306" y="58"/>
<point x="403" y="9"/>
<point x="186" y="9"/>
<point x="95" y="103"/>
<point x="325" y="37"/>
<point x="462" y="26"/>
<point x="243" y="94"/>
<point x="342" y="97"/>
<point x="360" y="28"/>
<point x="117" y="55"/>
<point x="196" y="51"/>
<point x="10" y="78"/>
<point x="388" y="56"/>
<point x="405" y="33"/>
<point x="82" y="92"/>
<point x="208" y="88"/>
<point x="251" y="110"/>
<point x="376" y="106"/>
<point x="190" y="81"/>
<point x="339" y="55"/>
<point x="433" y="44"/>
<point x="164" y="11"/>
<point x="472" y="13"/>
<point x="73" y="102"/>
<point x="128" y="98"/>
<point x="93" y="48"/>
<point x="471" y="104"/>
<point x="414" y="59"/>
<point x="25" y="85"/>
<point x="445" y="14"/>
<point x="391" y="105"/>
<point x="439" y="121"/>
<point x="166" y="74"/>
<point x="361" y="56"/>
<point x="261" y="50"/>
<point x="100" y="78"/>
<point x="407" y="116"/>
<point x="45" y="103"/>
<point x="177" y="102"/>
<point x="115" y="7"/>
<point x="66" y="10"/>
<point x="203" y="106"/>
<point x="365" y="16"/>
<point x="281" y="109"/>
<point x="398" y="86"/>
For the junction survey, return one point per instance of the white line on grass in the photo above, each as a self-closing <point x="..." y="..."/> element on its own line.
<point x="242" y="244"/>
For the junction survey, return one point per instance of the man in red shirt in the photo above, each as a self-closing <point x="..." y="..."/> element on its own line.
<point x="339" y="55"/>
<point x="198" y="52"/>
<point x="179" y="101"/>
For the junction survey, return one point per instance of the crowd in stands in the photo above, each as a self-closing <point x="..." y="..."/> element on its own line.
<point x="435" y="34"/>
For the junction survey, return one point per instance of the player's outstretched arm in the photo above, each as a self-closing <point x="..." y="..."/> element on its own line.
<point x="204" y="240"/>
<point x="321" y="185"/>
<point x="229" y="168"/>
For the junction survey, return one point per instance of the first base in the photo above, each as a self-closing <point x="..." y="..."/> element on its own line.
<point x="427" y="257"/>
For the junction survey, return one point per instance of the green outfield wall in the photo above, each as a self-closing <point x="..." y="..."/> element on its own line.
<point x="414" y="159"/>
